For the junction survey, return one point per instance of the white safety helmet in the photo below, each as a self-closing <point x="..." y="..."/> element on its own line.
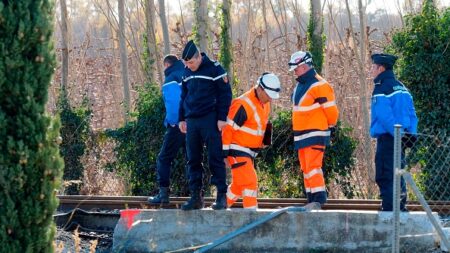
<point x="299" y="58"/>
<point x="271" y="84"/>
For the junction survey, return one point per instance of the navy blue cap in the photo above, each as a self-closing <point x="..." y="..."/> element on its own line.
<point x="189" y="50"/>
<point x="387" y="60"/>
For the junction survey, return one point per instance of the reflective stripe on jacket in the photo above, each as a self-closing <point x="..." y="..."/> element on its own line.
<point x="246" y="124"/>
<point x="314" y="110"/>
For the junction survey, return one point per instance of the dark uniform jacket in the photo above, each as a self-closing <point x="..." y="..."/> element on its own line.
<point x="205" y="90"/>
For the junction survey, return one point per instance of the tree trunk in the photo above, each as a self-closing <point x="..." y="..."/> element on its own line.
<point x="315" y="32"/>
<point x="154" y="66"/>
<point x="65" y="46"/>
<point x="266" y="25"/>
<point x="124" y="62"/>
<point x="182" y="17"/>
<point x="201" y="24"/>
<point x="362" y="80"/>
<point x="165" y="27"/>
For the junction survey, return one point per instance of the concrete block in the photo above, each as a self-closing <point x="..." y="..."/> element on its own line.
<point x="316" y="231"/>
<point x="447" y="233"/>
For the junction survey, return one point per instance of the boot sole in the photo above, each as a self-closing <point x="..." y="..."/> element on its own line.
<point x="195" y="208"/>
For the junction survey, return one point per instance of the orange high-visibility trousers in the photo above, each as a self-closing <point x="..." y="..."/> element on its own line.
<point x="244" y="182"/>
<point x="311" y="159"/>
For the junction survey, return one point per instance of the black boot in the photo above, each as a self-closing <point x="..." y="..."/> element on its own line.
<point x="221" y="202"/>
<point x="320" y="197"/>
<point x="195" y="202"/>
<point x="161" y="198"/>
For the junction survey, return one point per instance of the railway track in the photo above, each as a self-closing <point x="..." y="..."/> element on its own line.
<point x="69" y="202"/>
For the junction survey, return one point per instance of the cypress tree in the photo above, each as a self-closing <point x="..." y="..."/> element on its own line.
<point x="30" y="165"/>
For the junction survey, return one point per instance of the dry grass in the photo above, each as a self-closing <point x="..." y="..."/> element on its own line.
<point x="78" y="246"/>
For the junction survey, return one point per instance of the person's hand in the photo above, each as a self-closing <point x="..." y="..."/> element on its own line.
<point x="221" y="124"/>
<point x="227" y="163"/>
<point x="182" y="126"/>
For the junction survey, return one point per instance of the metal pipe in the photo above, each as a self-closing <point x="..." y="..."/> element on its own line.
<point x="247" y="227"/>
<point x="425" y="205"/>
<point x="396" y="191"/>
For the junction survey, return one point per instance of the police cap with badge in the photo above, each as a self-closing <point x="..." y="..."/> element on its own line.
<point x="386" y="60"/>
<point x="189" y="51"/>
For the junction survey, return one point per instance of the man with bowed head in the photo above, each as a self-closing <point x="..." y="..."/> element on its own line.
<point x="205" y="100"/>
<point x="314" y="117"/>
<point x="248" y="130"/>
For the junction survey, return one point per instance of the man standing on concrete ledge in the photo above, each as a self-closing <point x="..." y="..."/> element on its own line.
<point x="391" y="104"/>
<point x="314" y="116"/>
<point x="205" y="100"/>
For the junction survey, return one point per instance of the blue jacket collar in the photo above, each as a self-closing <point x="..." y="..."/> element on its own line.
<point x="387" y="74"/>
<point x="308" y="77"/>
<point x="177" y="66"/>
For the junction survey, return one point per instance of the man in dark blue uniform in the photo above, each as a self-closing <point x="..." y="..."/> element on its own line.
<point x="391" y="104"/>
<point x="205" y="101"/>
<point x="174" y="139"/>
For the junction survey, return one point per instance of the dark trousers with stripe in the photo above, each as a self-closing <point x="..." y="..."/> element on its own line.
<point x="203" y="131"/>
<point x="174" y="139"/>
<point x="384" y="164"/>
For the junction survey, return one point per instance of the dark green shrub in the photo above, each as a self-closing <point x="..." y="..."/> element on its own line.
<point x="424" y="64"/>
<point x="138" y="145"/>
<point x="75" y="130"/>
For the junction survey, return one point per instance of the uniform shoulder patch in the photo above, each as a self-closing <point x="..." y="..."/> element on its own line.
<point x="216" y="63"/>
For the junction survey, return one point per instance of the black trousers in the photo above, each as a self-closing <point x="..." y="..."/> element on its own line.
<point x="384" y="164"/>
<point x="174" y="139"/>
<point x="203" y="131"/>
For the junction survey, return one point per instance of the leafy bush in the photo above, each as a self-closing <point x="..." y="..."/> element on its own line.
<point x="138" y="145"/>
<point x="75" y="130"/>
<point x="424" y="64"/>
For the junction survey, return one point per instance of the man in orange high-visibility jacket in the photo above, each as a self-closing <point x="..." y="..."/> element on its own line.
<point x="246" y="132"/>
<point x="314" y="116"/>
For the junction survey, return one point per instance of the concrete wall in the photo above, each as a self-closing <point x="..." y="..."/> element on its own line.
<point x="316" y="231"/>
